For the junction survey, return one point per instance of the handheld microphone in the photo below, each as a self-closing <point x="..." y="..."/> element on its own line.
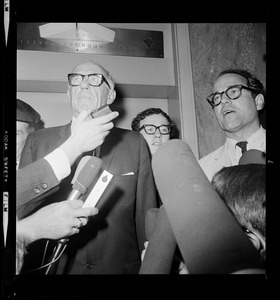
<point x="150" y="222"/>
<point x="210" y="239"/>
<point x="86" y="172"/>
<point x="81" y="164"/>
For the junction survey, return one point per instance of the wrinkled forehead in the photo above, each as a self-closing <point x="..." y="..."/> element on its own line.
<point x="227" y="80"/>
<point x="89" y="68"/>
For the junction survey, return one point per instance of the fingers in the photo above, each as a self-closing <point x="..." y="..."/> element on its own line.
<point x="79" y="211"/>
<point x="76" y="203"/>
<point x="107" y="118"/>
<point x="83" y="115"/>
<point x="87" y="211"/>
<point x="76" y="213"/>
<point x="82" y="219"/>
<point x="81" y="223"/>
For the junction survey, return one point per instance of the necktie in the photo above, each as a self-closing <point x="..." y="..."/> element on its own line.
<point x="242" y="145"/>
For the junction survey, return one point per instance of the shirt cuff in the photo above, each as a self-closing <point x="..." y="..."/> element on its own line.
<point x="59" y="163"/>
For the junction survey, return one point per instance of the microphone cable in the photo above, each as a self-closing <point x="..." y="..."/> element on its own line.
<point x="48" y="264"/>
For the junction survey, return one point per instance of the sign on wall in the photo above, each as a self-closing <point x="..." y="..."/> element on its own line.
<point x="127" y="42"/>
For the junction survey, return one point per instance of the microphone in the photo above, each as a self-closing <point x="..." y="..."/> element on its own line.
<point x="210" y="239"/>
<point x="162" y="243"/>
<point x="86" y="171"/>
<point x="81" y="164"/>
<point x="85" y="174"/>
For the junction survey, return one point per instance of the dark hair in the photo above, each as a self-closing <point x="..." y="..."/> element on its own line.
<point x="252" y="82"/>
<point x="27" y="114"/>
<point x="135" y="124"/>
<point x="34" y="126"/>
<point x="243" y="189"/>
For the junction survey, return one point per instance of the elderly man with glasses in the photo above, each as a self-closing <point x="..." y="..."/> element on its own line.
<point x="113" y="242"/>
<point x="236" y="100"/>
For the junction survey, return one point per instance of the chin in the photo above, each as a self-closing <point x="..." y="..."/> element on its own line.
<point x="154" y="150"/>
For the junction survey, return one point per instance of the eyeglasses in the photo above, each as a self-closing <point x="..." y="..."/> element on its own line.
<point x="151" y="129"/>
<point x="75" y="79"/>
<point x="233" y="92"/>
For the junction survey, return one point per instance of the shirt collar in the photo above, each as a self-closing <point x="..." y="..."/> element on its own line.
<point x="255" y="135"/>
<point x="73" y="119"/>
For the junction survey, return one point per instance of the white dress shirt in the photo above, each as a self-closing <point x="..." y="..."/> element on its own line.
<point x="229" y="154"/>
<point x="59" y="163"/>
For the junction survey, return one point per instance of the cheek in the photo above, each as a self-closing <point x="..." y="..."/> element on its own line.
<point x="21" y="139"/>
<point x="165" y="138"/>
<point x="217" y="111"/>
<point x="147" y="137"/>
<point x="20" y="143"/>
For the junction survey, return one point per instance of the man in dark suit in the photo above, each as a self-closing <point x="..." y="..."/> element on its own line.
<point x="42" y="177"/>
<point x="112" y="242"/>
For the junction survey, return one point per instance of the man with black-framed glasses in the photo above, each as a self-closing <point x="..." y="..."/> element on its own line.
<point x="111" y="244"/>
<point x="237" y="98"/>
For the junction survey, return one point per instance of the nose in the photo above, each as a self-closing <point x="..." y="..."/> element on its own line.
<point x="157" y="133"/>
<point x="84" y="84"/>
<point x="225" y="98"/>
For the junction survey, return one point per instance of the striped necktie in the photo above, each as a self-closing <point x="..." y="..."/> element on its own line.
<point x="242" y="145"/>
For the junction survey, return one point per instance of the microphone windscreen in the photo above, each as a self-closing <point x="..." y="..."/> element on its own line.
<point x="150" y="221"/>
<point x="87" y="174"/>
<point x="81" y="164"/>
<point x="209" y="237"/>
<point x="161" y="248"/>
<point x="252" y="156"/>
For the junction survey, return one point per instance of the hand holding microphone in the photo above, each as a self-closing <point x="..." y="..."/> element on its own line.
<point x="87" y="170"/>
<point x="55" y="221"/>
<point x="87" y="133"/>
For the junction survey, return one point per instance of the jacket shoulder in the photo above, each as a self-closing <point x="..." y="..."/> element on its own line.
<point x="45" y="132"/>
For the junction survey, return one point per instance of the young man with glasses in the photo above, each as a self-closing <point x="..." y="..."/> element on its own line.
<point x="236" y="100"/>
<point x="113" y="242"/>
<point x="156" y="127"/>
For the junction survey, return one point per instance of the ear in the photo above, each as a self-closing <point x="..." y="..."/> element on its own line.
<point x="255" y="240"/>
<point x="111" y="97"/>
<point x="68" y="95"/>
<point x="259" y="100"/>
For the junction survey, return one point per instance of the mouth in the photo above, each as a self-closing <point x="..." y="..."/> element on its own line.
<point x="84" y="97"/>
<point x="156" y="144"/>
<point x="227" y="112"/>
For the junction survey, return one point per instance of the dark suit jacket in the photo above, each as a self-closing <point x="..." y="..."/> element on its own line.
<point x="34" y="182"/>
<point x="112" y="241"/>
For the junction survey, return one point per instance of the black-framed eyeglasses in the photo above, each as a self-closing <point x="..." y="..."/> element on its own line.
<point x="76" y="79"/>
<point x="233" y="92"/>
<point x="151" y="129"/>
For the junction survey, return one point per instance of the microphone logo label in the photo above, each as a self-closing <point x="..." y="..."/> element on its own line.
<point x="98" y="189"/>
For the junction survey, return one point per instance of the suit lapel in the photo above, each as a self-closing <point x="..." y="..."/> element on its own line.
<point x="64" y="133"/>
<point x="107" y="151"/>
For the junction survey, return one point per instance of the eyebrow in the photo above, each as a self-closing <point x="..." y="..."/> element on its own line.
<point x="229" y="86"/>
<point x="155" y="124"/>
